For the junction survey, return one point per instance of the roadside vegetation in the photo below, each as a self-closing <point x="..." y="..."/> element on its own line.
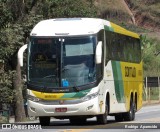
<point x="113" y="10"/>
<point x="151" y="56"/>
<point x="17" y="19"/>
<point x="147" y="23"/>
<point x="146" y="13"/>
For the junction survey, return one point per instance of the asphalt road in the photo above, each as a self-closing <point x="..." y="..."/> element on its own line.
<point x="147" y="118"/>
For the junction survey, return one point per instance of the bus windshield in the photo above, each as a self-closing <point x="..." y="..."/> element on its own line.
<point x="61" y="62"/>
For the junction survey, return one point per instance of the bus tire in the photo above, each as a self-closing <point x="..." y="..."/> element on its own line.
<point x="44" y="120"/>
<point x="119" y="117"/>
<point x="102" y="119"/>
<point x="130" y="115"/>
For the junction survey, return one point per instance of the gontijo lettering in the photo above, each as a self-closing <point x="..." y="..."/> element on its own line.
<point x="130" y="71"/>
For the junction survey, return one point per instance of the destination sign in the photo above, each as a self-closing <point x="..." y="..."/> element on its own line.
<point x="43" y="41"/>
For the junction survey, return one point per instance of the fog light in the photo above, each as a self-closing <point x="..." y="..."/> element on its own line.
<point x="90" y="107"/>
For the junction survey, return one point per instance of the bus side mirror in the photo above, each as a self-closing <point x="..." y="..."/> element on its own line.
<point x="20" y="54"/>
<point x="99" y="53"/>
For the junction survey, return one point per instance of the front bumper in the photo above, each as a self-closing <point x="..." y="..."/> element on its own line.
<point x="90" y="107"/>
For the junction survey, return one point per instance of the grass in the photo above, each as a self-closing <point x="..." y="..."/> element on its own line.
<point x="134" y="28"/>
<point x="154" y="35"/>
<point x="154" y="94"/>
<point x="109" y="10"/>
<point x="3" y="119"/>
<point x="146" y="12"/>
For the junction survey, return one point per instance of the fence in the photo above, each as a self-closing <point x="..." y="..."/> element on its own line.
<point x="151" y="89"/>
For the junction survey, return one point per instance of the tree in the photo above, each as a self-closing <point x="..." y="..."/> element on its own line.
<point x="17" y="83"/>
<point x="17" y="19"/>
<point x="150" y="52"/>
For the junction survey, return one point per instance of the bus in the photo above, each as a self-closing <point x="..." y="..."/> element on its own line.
<point x="79" y="68"/>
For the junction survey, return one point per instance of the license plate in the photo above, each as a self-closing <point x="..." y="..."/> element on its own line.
<point x="61" y="109"/>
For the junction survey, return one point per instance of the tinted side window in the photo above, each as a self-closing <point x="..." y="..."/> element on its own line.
<point x="122" y="48"/>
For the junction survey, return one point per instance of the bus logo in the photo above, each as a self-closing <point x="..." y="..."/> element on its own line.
<point x="61" y="102"/>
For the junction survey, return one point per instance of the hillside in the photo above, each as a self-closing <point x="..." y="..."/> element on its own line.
<point x="142" y="14"/>
<point x="114" y="10"/>
<point x="146" y="13"/>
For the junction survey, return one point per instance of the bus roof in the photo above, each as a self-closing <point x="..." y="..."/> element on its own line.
<point x="76" y="26"/>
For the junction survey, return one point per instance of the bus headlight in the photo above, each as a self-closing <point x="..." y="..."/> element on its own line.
<point x="89" y="97"/>
<point x="32" y="98"/>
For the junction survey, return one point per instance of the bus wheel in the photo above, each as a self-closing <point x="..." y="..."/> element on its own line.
<point x="102" y="119"/>
<point x="130" y="115"/>
<point x="119" y="117"/>
<point x="76" y="120"/>
<point x="44" y="120"/>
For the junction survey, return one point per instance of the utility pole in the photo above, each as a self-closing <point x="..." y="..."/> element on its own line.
<point x="146" y="90"/>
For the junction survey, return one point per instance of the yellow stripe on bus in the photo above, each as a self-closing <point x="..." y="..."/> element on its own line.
<point x="48" y="96"/>
<point x="121" y="30"/>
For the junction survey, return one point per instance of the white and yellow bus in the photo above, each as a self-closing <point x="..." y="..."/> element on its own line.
<point x="79" y="68"/>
